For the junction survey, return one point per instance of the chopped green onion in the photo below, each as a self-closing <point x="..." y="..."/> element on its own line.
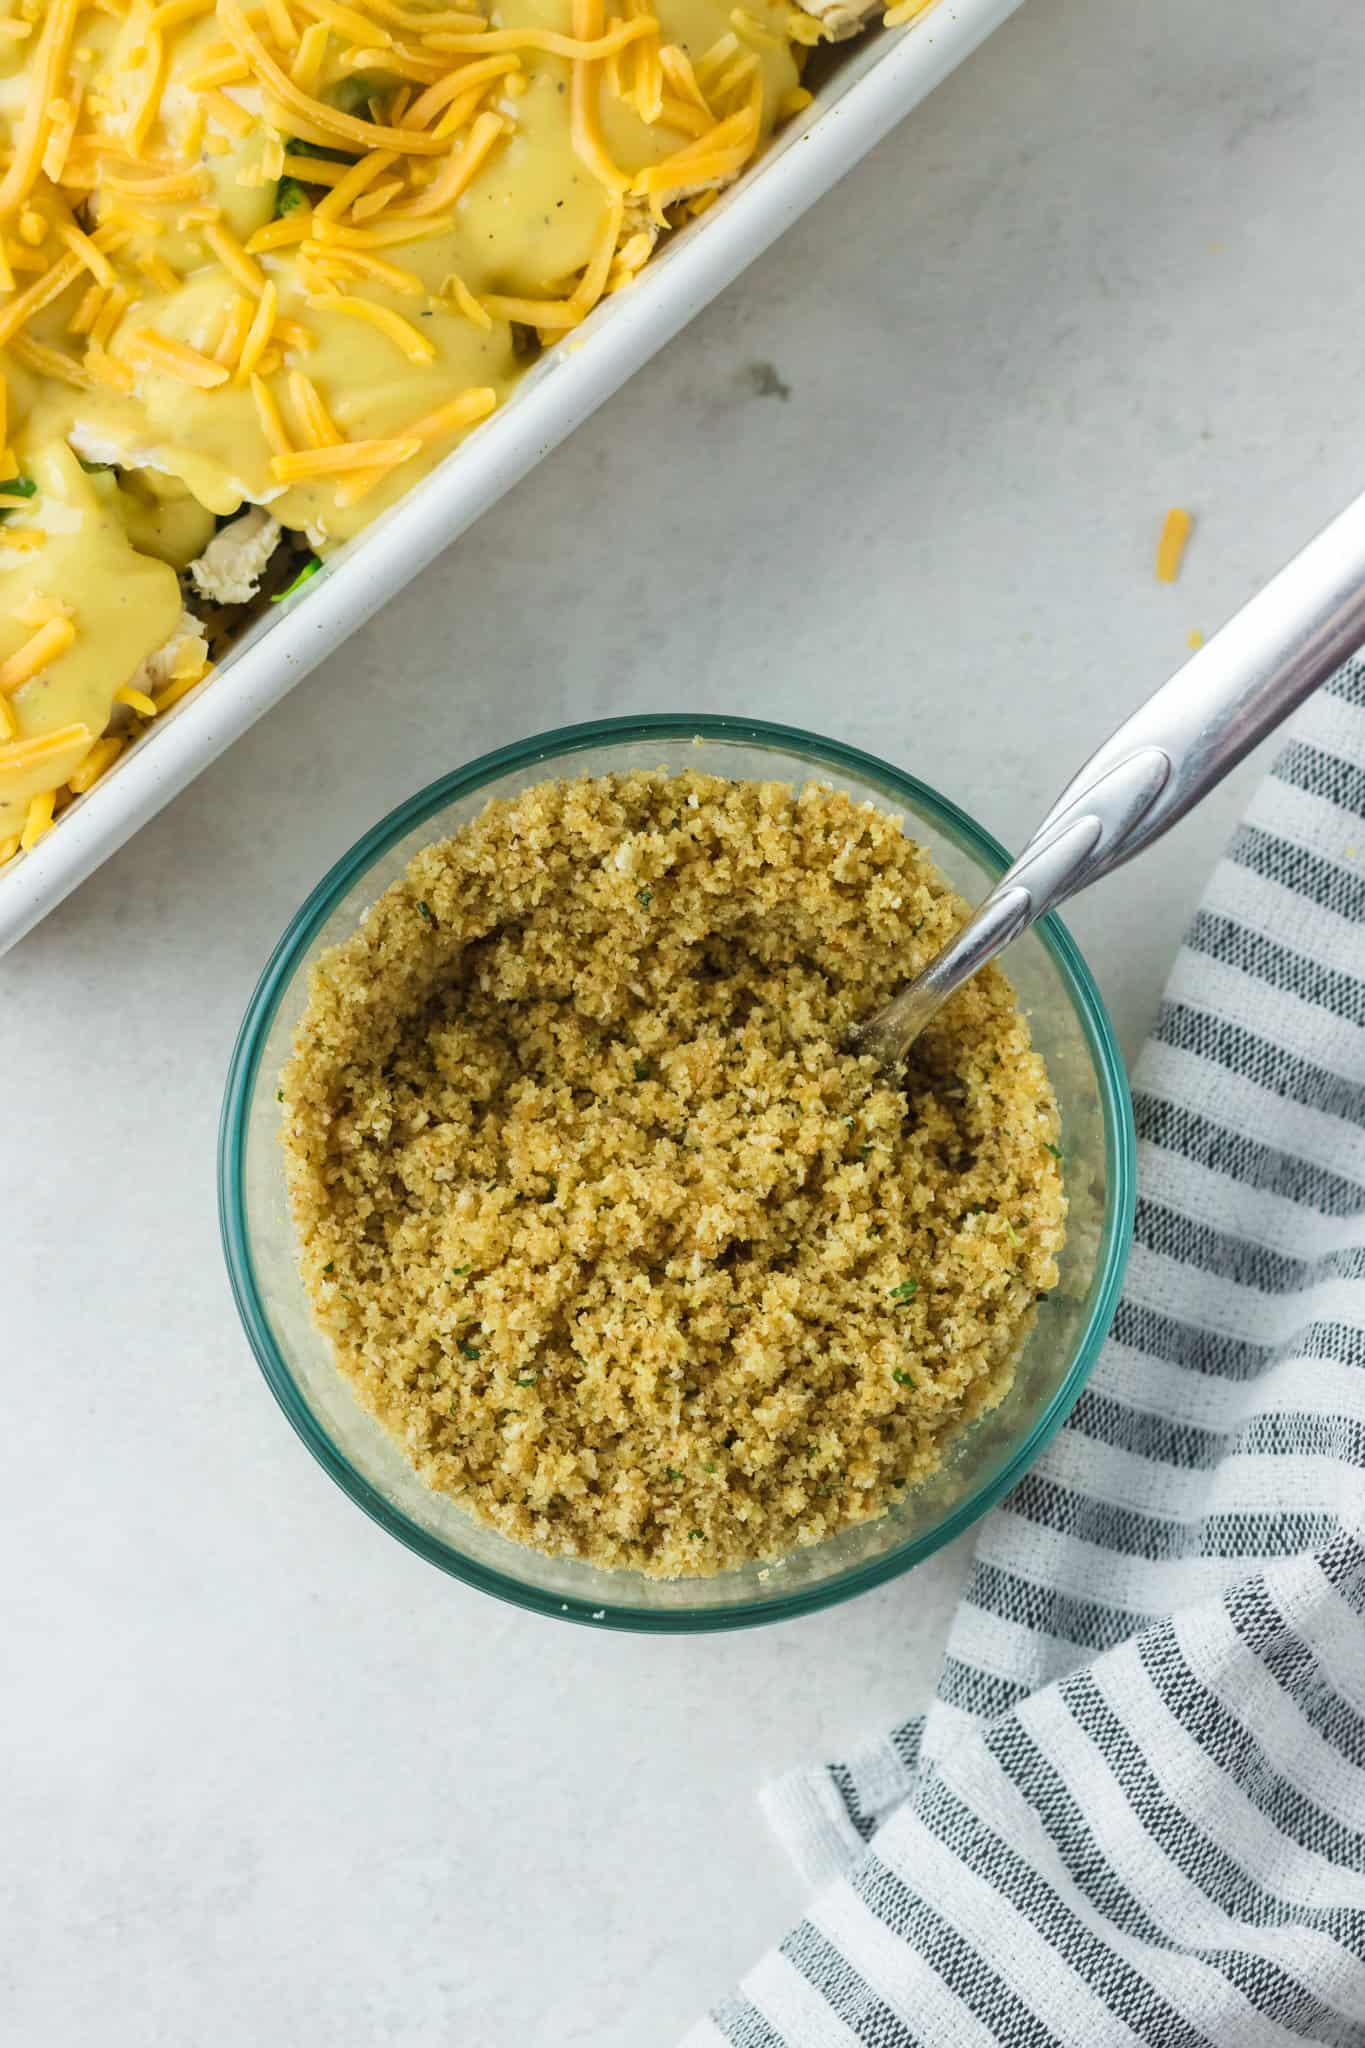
<point x="427" y="912"/>
<point x="309" y="570"/>
<point x="458" y="1272"/>
<point x="16" y="487"/>
<point x="907" y="1290"/>
<point x="1054" y="1150"/>
<point x="330" y="1267"/>
<point x="526" y="1379"/>
<point x="644" y="897"/>
<point x="903" y="1379"/>
<point x="469" y="1351"/>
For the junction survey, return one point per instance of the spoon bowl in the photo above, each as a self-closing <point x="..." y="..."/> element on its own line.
<point x="1160" y="763"/>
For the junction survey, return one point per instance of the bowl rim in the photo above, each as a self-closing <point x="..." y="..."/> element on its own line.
<point x="1119" y="1137"/>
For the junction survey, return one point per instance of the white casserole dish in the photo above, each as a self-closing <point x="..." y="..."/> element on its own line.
<point x="876" y="82"/>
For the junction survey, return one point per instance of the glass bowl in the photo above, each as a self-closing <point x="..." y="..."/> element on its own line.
<point x="1070" y="1027"/>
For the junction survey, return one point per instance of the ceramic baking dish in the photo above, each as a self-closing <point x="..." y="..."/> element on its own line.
<point x="874" y="83"/>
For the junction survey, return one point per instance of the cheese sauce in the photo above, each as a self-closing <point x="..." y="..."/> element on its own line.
<point x="287" y="254"/>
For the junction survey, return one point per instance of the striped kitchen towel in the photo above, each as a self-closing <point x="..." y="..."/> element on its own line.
<point x="1136" y="1810"/>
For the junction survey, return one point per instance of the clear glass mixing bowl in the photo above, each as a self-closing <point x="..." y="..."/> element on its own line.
<point x="1070" y="1027"/>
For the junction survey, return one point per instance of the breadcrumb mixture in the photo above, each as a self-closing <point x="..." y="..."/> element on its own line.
<point x="603" y="1222"/>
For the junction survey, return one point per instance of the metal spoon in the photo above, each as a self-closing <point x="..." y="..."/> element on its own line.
<point x="1271" y="655"/>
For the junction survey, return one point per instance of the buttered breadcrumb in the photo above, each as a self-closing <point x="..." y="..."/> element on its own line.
<point x="605" y="1225"/>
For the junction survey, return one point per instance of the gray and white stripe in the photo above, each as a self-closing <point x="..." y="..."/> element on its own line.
<point x="1136" y="1810"/>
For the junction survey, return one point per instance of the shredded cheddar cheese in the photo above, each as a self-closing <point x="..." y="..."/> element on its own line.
<point x="400" y="332"/>
<point x="136" y="700"/>
<point x="320" y="429"/>
<point x="47" y="643"/>
<point x="234" y="259"/>
<point x="333" y="461"/>
<point x="102" y="756"/>
<point x="22" y="754"/>
<point x="906" y="11"/>
<point x="272" y="425"/>
<point x="38" y="817"/>
<point x="585" y="99"/>
<point x="257" y="335"/>
<point x="459" y="172"/>
<point x="175" y="359"/>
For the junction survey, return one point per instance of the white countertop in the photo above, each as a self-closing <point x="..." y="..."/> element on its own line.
<point x="269" y="1780"/>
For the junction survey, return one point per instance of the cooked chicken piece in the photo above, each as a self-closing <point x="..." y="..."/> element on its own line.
<point x="184" y="654"/>
<point x="842" y="18"/>
<point x="231" y="567"/>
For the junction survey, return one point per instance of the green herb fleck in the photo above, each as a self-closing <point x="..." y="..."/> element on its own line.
<point x="458" y="1272"/>
<point x="427" y="912"/>
<point x="708" y="1468"/>
<point x="907" y="1291"/>
<point x="644" y="897"/>
<point x="669" y="1473"/>
<point x="527" y="1379"/>
<point x="309" y="569"/>
<point x="330" y="1267"/>
<point x="15" y="487"/>
<point x="695" y="1534"/>
<point x="643" y="1070"/>
<point x="903" y="1379"/>
<point x="279" y="1095"/>
<point x="1054" y="1150"/>
<point x="469" y="1351"/>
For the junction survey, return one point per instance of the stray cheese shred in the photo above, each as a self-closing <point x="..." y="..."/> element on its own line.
<point x="1170" y="552"/>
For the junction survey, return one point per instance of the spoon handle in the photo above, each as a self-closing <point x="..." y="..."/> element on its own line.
<point x="1175" y="748"/>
